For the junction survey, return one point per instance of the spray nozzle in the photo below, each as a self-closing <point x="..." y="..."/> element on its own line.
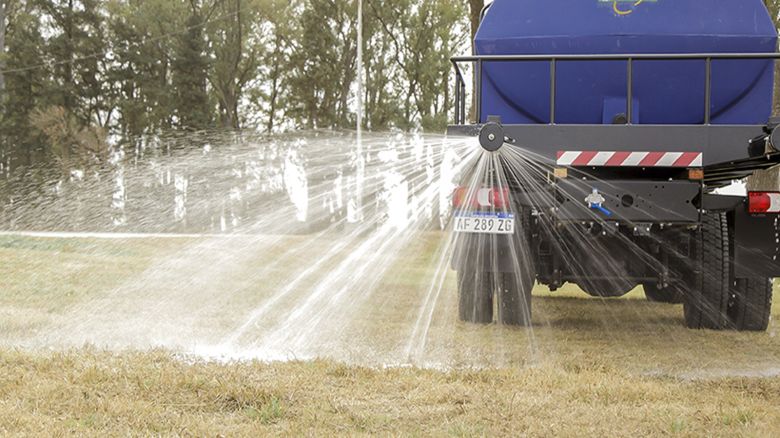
<point x="491" y="136"/>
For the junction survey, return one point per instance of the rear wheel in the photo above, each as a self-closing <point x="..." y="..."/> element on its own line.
<point x="475" y="297"/>
<point x="751" y="303"/>
<point x="514" y="299"/>
<point x="706" y="301"/>
<point x="669" y="294"/>
<point x="514" y="288"/>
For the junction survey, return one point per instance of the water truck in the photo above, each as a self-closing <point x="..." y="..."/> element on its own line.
<point x="614" y="123"/>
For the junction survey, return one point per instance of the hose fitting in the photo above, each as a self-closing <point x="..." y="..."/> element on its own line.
<point x="596" y="201"/>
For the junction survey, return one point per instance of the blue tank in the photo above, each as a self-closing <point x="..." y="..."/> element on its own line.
<point x="594" y="92"/>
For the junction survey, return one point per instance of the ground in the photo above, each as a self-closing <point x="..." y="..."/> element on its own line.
<point x="588" y="366"/>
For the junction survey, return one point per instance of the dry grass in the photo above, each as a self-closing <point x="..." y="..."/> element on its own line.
<point x="588" y="367"/>
<point x="88" y="393"/>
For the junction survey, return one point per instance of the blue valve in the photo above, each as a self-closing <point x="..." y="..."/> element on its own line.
<point x="601" y="209"/>
<point x="596" y="201"/>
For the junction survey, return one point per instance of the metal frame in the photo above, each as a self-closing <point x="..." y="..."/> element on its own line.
<point x="654" y="202"/>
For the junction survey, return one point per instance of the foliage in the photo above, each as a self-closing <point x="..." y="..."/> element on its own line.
<point x="71" y="143"/>
<point x="141" y="67"/>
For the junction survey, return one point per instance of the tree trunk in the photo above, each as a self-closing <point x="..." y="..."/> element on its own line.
<point x="765" y="180"/>
<point x="475" y="9"/>
<point x="774" y="9"/>
<point x="69" y="104"/>
<point x="235" y="81"/>
<point x="3" y="13"/>
<point x="274" y="92"/>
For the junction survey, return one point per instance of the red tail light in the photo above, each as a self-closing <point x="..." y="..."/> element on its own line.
<point x="459" y="197"/>
<point x="763" y="202"/>
<point x="500" y="198"/>
<point x="482" y="198"/>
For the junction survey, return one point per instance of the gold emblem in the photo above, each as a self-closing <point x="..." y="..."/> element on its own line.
<point x="625" y="11"/>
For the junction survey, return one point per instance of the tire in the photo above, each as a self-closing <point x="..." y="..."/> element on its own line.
<point x="514" y="288"/>
<point x="514" y="299"/>
<point x="606" y="288"/>
<point x="669" y="294"/>
<point x="751" y="303"/>
<point x="475" y="297"/>
<point x="707" y="299"/>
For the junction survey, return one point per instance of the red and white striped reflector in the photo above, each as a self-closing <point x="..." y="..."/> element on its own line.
<point x="630" y="159"/>
<point x="763" y="202"/>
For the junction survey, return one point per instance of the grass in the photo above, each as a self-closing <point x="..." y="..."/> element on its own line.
<point x="87" y="392"/>
<point x="588" y="366"/>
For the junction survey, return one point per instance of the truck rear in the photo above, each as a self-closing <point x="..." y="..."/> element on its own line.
<point x="608" y="128"/>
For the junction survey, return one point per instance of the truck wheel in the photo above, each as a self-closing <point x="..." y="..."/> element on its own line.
<point x="606" y="288"/>
<point x="669" y="294"/>
<point x="751" y="303"/>
<point x="514" y="299"/>
<point x="475" y="297"/>
<point x="707" y="300"/>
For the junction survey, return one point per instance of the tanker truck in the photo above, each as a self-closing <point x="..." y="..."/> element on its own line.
<point x="629" y="116"/>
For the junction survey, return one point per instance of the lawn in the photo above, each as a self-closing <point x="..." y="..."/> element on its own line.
<point x="173" y="337"/>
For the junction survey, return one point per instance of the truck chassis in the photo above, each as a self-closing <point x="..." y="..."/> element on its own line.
<point x="665" y="228"/>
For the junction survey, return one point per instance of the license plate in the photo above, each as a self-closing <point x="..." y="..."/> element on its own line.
<point x="485" y="223"/>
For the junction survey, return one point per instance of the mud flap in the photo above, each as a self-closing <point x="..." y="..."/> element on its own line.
<point x="757" y="245"/>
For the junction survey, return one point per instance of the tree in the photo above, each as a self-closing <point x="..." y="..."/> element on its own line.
<point x="438" y="36"/>
<point x="774" y="11"/>
<point x="235" y="58"/>
<point x="475" y="12"/>
<point x="190" y="70"/>
<point x="270" y="91"/>
<point x="277" y="58"/>
<point x="422" y="40"/>
<point x="143" y="35"/>
<point x="24" y="86"/>
<point x="3" y="17"/>
<point x="381" y="103"/>
<point x="74" y="50"/>
<point x="322" y="64"/>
